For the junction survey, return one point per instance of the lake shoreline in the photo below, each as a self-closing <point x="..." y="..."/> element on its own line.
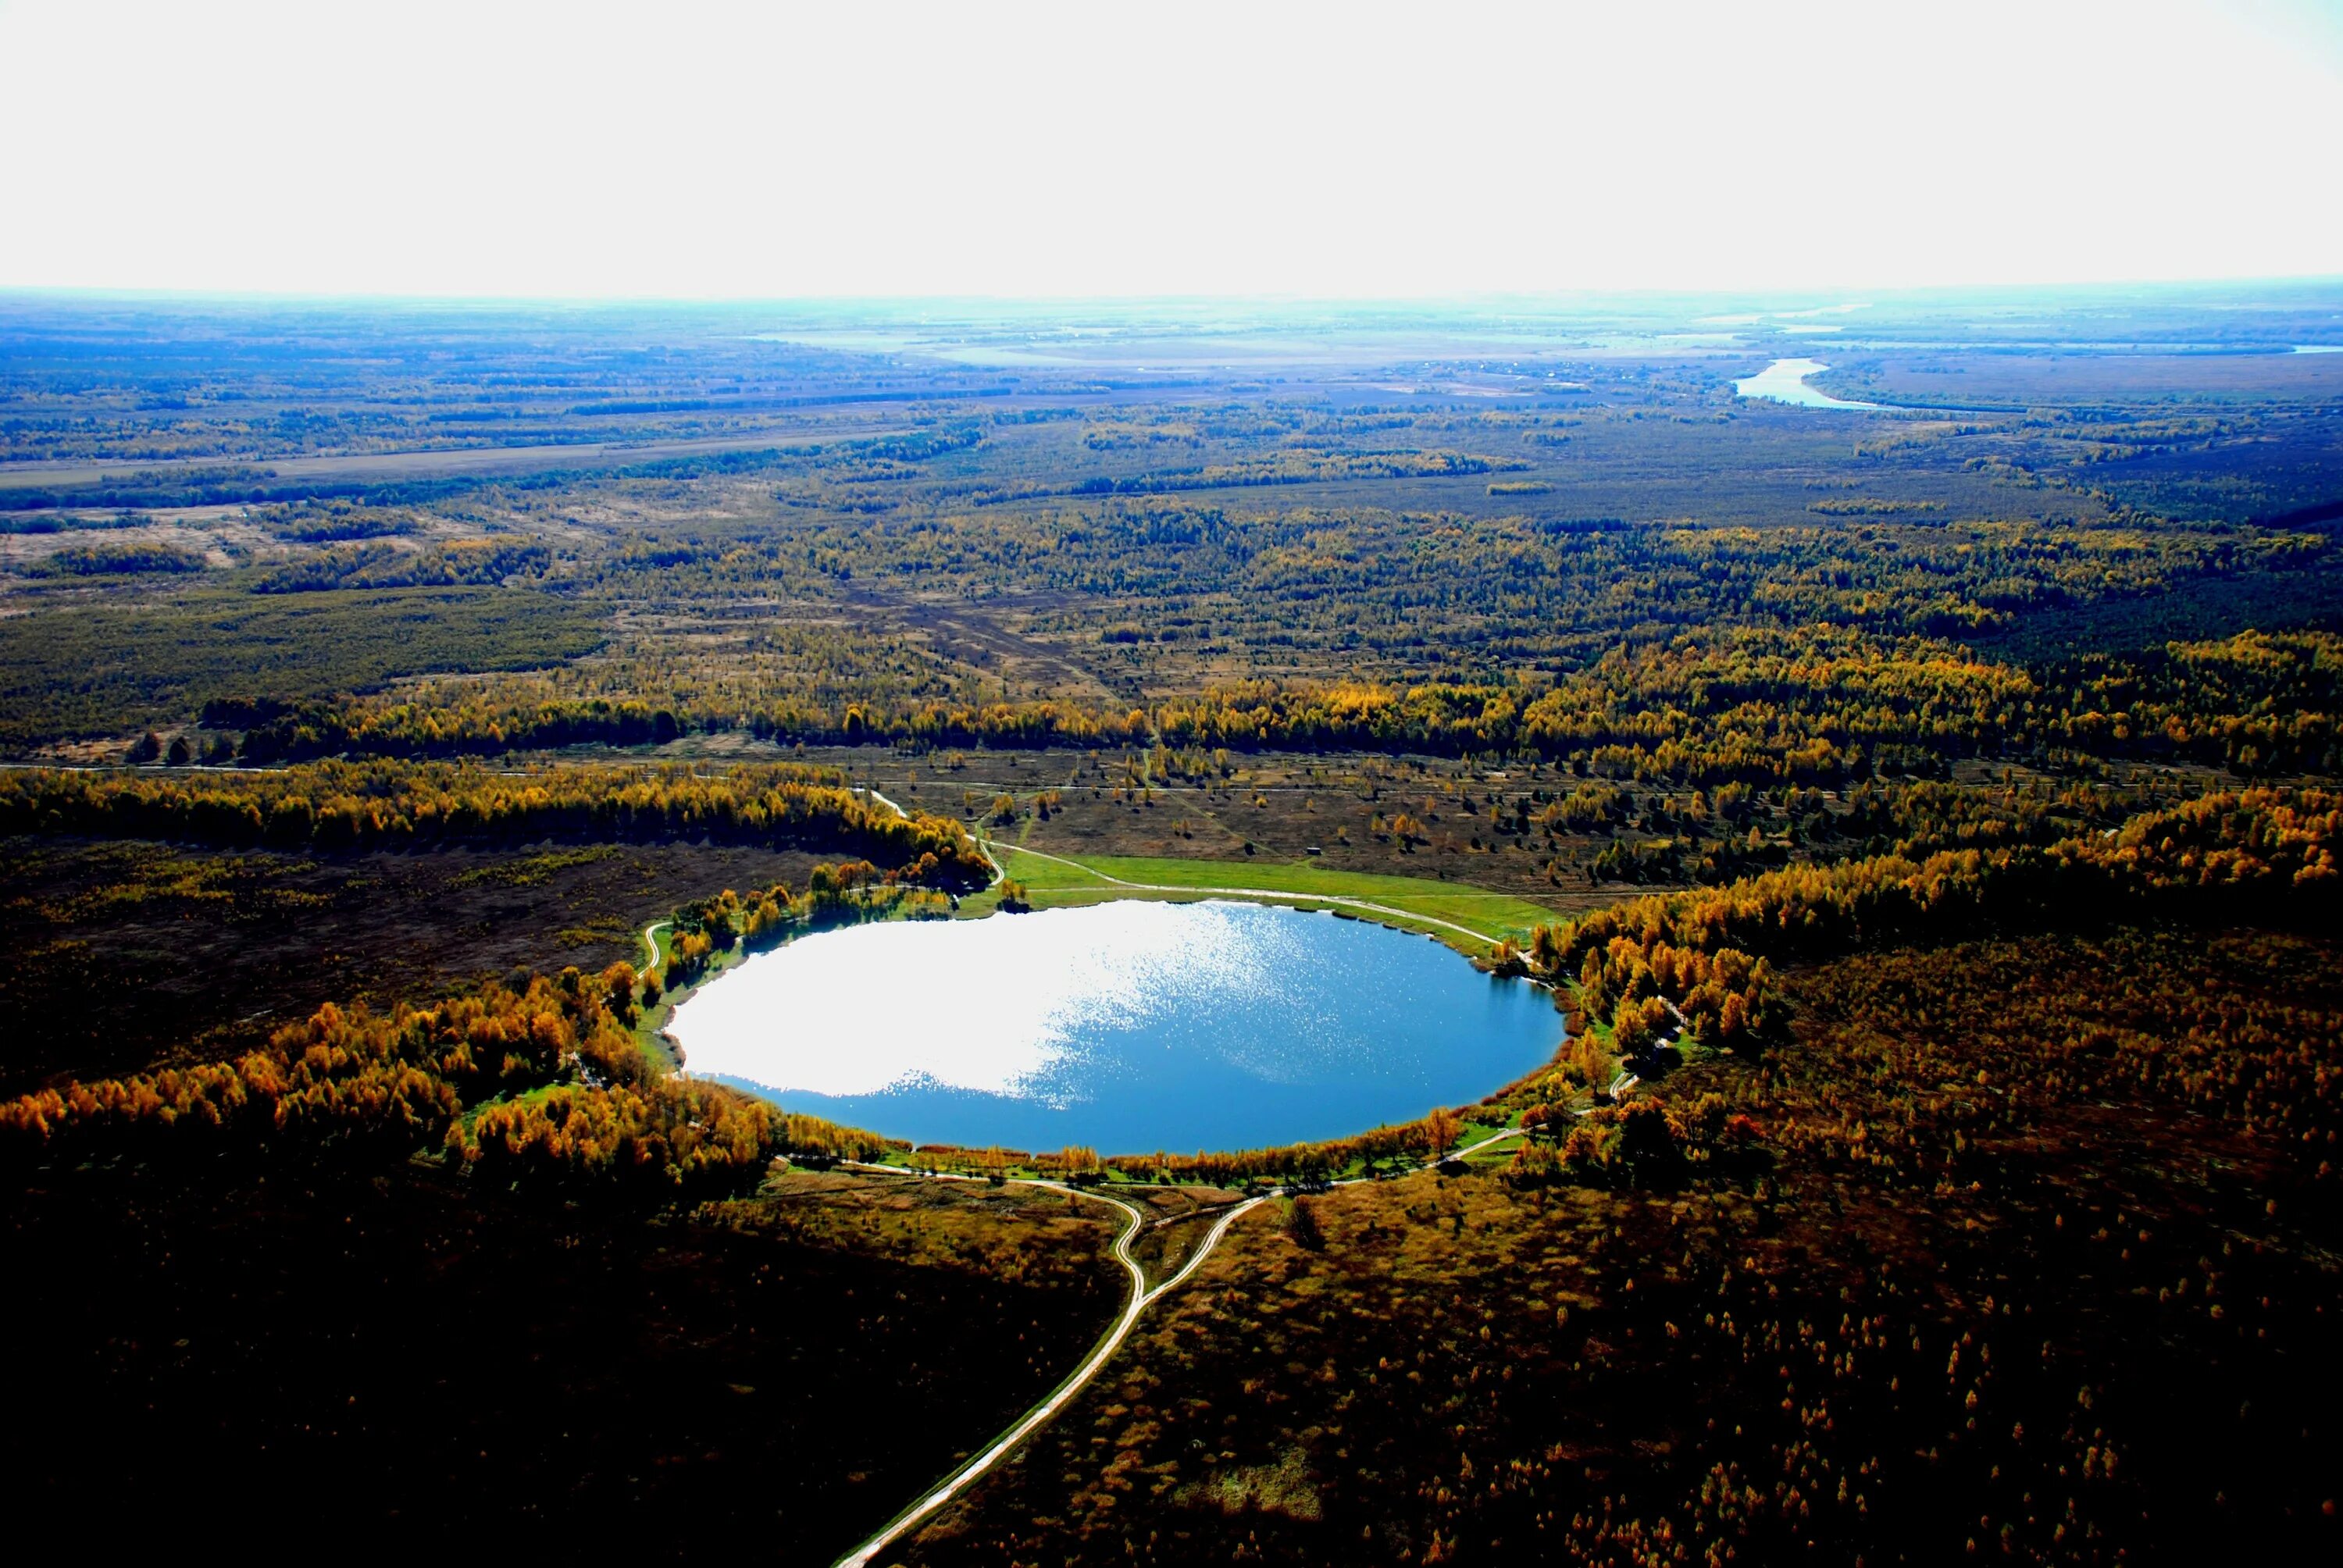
<point x="1191" y="1023"/>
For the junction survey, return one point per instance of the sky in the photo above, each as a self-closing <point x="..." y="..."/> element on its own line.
<point x="1349" y="150"/>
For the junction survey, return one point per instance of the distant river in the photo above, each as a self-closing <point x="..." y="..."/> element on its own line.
<point x="1785" y="381"/>
<point x="1127" y="1026"/>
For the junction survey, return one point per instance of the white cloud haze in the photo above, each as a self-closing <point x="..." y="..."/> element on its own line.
<point x="696" y="150"/>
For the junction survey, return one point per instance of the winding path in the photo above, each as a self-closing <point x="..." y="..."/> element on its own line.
<point x="1139" y="1298"/>
<point x="890" y="805"/>
<point x="951" y="1485"/>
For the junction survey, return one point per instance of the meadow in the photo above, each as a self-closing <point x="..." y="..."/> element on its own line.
<point x="1486" y="917"/>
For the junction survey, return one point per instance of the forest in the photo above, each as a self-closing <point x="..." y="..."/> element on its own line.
<point x="1924" y="819"/>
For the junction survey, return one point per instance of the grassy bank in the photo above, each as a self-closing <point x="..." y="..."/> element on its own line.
<point x="1413" y="903"/>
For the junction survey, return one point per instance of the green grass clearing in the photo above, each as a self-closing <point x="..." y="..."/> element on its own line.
<point x="1062" y="880"/>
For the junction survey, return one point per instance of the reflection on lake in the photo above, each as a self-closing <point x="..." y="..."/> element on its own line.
<point x="1785" y="381"/>
<point x="1128" y="1026"/>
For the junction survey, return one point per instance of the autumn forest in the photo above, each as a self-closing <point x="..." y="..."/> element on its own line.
<point x="1923" y="818"/>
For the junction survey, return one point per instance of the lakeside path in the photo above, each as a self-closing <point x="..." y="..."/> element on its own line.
<point x="951" y="1485"/>
<point x="1285" y="894"/>
<point x="1139" y="1298"/>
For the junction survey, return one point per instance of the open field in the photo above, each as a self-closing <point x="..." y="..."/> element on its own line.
<point x="1493" y="916"/>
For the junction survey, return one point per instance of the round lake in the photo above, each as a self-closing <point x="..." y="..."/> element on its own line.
<point x="1128" y="1026"/>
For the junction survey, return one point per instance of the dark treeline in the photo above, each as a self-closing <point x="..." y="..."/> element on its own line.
<point x="1399" y="1148"/>
<point x="1815" y="707"/>
<point x="237" y="486"/>
<point x="478" y="562"/>
<point x="386" y="804"/>
<point x="1822" y="706"/>
<point x="117" y="560"/>
<point x="766" y="917"/>
<point x="2264" y="855"/>
<point x="281" y="732"/>
<point x="1291" y="468"/>
<point x="197" y="490"/>
<point x="1391" y="1149"/>
<point x="74" y="523"/>
<point x="356" y="1084"/>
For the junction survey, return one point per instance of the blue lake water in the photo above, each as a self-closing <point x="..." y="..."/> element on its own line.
<point x="1127" y="1026"/>
<point x="1785" y="381"/>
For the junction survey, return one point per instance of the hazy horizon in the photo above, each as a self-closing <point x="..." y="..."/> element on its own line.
<point x="1062" y="153"/>
<point x="1782" y="293"/>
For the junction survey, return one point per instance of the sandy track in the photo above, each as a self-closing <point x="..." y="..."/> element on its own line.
<point x="1136" y="1303"/>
